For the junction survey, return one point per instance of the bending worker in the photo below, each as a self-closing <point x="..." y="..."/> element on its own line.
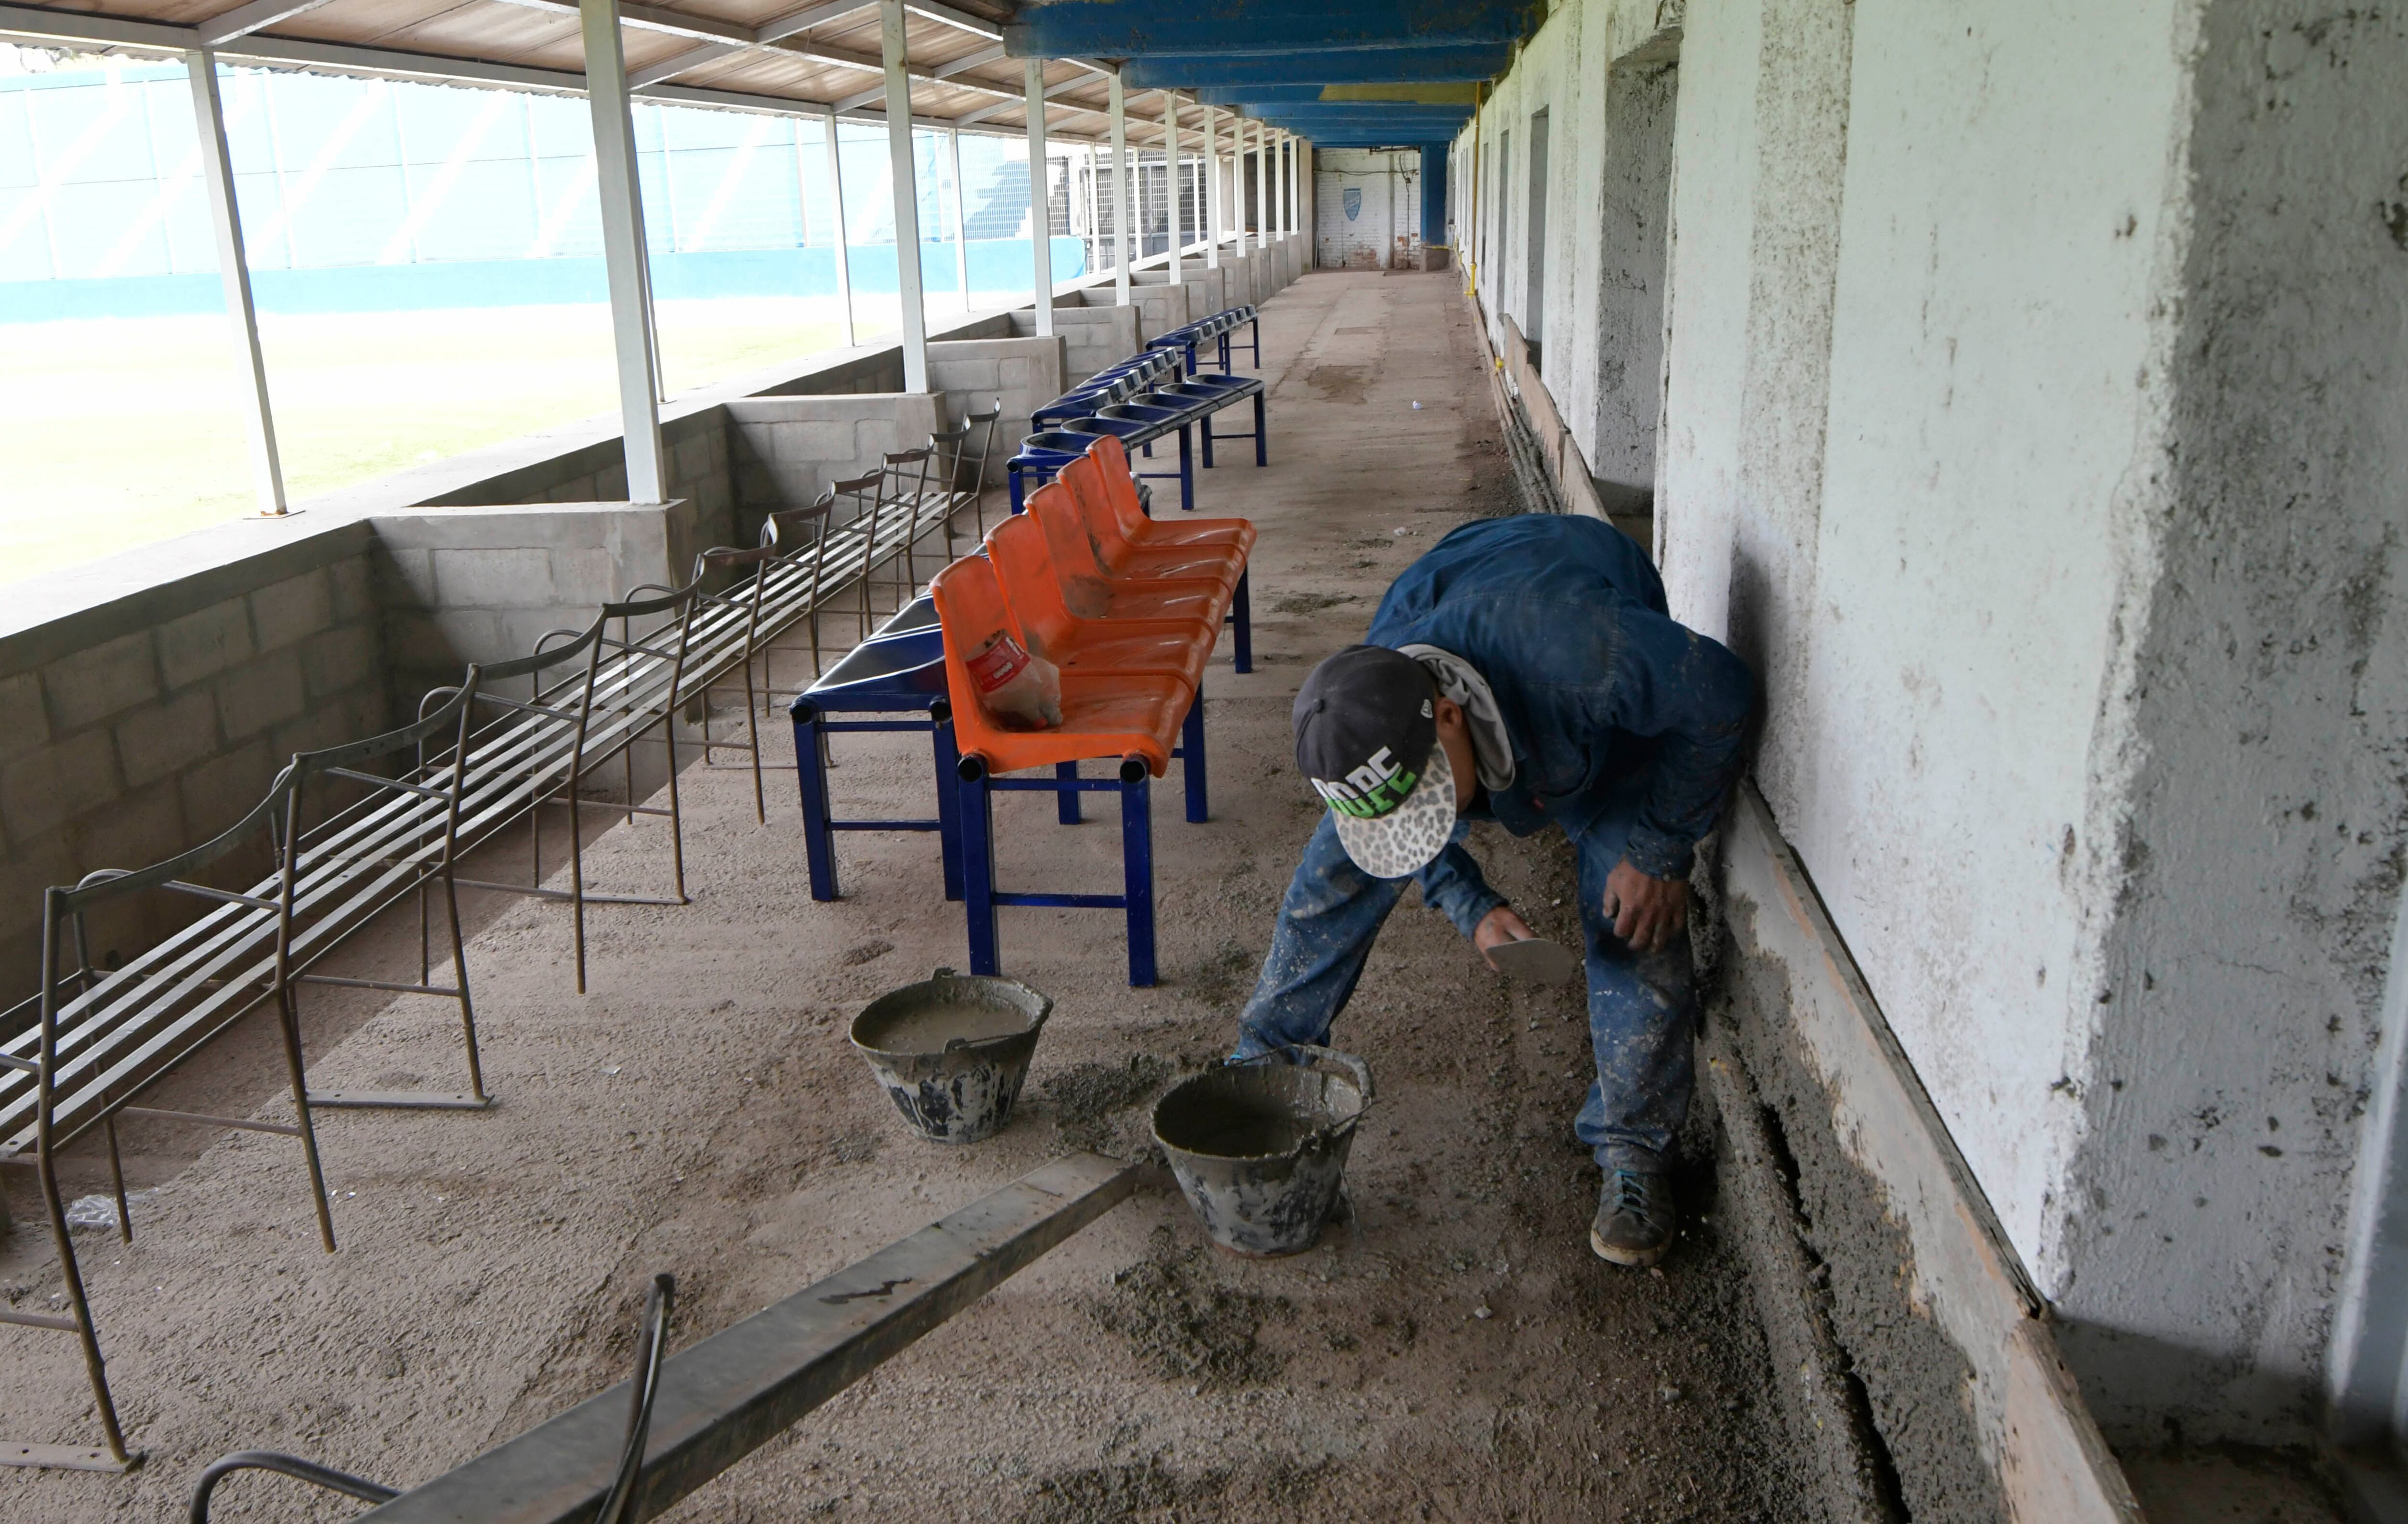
<point x="1524" y="671"/>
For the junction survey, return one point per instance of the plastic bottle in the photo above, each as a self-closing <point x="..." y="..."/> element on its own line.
<point x="1019" y="691"/>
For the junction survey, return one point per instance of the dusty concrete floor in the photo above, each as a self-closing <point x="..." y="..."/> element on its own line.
<point x="1454" y="1353"/>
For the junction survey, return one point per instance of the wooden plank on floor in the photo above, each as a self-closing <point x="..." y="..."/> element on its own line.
<point x="737" y="1390"/>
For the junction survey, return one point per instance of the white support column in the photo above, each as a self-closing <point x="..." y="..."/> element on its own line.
<point x="961" y="222"/>
<point x="1120" y="194"/>
<point x="622" y="251"/>
<point x="904" y="185"/>
<point x="1263" y="186"/>
<point x="1211" y="187"/>
<point x="843" y="248"/>
<point x="1288" y="185"/>
<point x="1040" y="203"/>
<point x="234" y="276"/>
<point x="1094" y="207"/>
<point x="802" y="186"/>
<point x="1279" y="184"/>
<point x="1171" y="177"/>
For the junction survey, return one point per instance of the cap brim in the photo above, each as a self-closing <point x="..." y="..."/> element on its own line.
<point x="1402" y="841"/>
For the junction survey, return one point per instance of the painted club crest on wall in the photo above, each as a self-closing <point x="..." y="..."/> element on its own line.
<point x="1353" y="200"/>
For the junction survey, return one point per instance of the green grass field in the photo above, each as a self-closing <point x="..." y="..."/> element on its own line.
<point x="121" y="432"/>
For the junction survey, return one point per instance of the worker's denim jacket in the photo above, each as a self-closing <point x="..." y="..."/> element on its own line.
<point x="1617" y="714"/>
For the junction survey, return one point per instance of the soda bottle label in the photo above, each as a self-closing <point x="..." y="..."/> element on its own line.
<point x="998" y="663"/>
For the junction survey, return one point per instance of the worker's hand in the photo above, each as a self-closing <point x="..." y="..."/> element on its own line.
<point x="1497" y="928"/>
<point x="1646" y="912"/>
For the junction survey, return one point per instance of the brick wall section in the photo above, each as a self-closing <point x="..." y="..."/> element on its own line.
<point x="462" y="585"/>
<point x="1092" y="338"/>
<point x="1159" y="309"/>
<point x="1022" y="374"/>
<point x="786" y="450"/>
<point x="153" y="734"/>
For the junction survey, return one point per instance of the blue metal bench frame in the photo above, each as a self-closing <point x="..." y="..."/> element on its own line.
<point x="976" y="813"/>
<point x="902" y="672"/>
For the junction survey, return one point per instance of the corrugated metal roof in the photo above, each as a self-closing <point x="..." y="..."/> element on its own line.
<point x="742" y="54"/>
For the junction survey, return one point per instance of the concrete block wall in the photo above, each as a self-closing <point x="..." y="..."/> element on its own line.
<point x="1159" y="309"/>
<point x="1237" y="275"/>
<point x="788" y="450"/>
<point x="973" y="375"/>
<point x="1210" y="292"/>
<point x="485" y="583"/>
<point x="1092" y="337"/>
<point x="150" y="723"/>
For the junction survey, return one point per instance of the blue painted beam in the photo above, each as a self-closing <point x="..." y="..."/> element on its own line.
<point x="1135" y="28"/>
<point x="1255" y="94"/>
<point x="1419" y="124"/>
<point x="1447" y="63"/>
<point x="1395" y="93"/>
<point x="1359" y="111"/>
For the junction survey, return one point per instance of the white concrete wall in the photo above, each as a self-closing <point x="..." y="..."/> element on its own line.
<point x="2251" y="751"/>
<point x="2035" y="402"/>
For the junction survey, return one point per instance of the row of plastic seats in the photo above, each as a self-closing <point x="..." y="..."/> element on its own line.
<point x="1214" y="330"/>
<point x="1129" y="610"/>
<point x="1139" y="400"/>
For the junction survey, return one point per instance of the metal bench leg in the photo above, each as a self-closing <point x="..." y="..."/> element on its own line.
<point x="1262" y="435"/>
<point x="290" y="1017"/>
<point x="978" y="865"/>
<point x="810" y="778"/>
<point x="949" y="804"/>
<point x="1067" y="800"/>
<point x="460" y="982"/>
<point x="1205" y="428"/>
<point x="577" y="871"/>
<point x="1018" y="488"/>
<point x="1242" y="616"/>
<point x="1137" y="870"/>
<point x="1191" y="754"/>
<point x="1188" y="468"/>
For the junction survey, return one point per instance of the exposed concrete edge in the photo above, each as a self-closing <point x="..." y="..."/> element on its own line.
<point x="2053" y="1465"/>
<point x="149" y="584"/>
<point x="1829" y="1427"/>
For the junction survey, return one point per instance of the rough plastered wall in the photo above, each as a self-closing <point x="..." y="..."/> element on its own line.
<point x="1993" y="319"/>
<point x="1605" y="72"/>
<point x="2252" y="753"/>
<point x="1765" y="88"/>
<point x="2036" y="426"/>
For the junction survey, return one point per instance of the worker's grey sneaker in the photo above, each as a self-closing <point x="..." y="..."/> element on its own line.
<point x="1634" y="1218"/>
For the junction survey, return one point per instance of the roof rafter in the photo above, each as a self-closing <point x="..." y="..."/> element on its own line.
<point x="90" y="28"/>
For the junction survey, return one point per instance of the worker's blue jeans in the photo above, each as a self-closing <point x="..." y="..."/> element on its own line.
<point x="1642" y="1007"/>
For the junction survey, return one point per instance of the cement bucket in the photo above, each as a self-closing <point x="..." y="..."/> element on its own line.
<point x="953" y="1051"/>
<point x="1260" y="1145"/>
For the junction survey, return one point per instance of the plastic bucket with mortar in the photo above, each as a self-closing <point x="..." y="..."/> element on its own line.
<point x="952" y="1051"/>
<point x="1259" y="1144"/>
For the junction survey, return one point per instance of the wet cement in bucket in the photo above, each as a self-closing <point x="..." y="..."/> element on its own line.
<point x="1260" y="1151"/>
<point x="953" y="1051"/>
<point x="1226" y="1128"/>
<point x="931" y="1028"/>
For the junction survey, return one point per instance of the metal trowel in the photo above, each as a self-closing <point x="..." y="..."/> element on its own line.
<point x="1536" y="961"/>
